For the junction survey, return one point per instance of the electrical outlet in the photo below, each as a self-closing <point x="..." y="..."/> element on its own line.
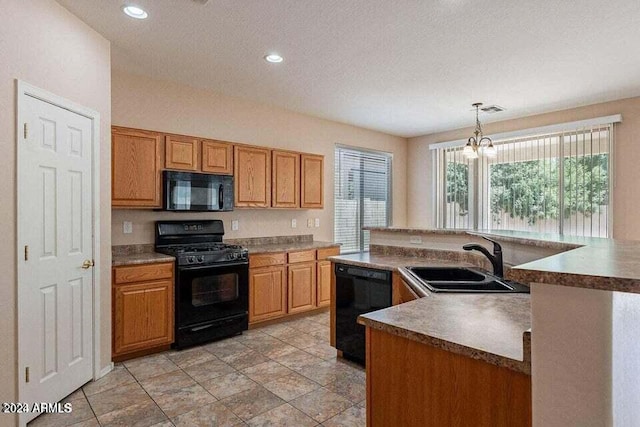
<point x="309" y="222"/>
<point x="317" y="221"/>
<point x="294" y="223"/>
<point x="127" y="227"/>
<point x="416" y="240"/>
<point x="234" y="225"/>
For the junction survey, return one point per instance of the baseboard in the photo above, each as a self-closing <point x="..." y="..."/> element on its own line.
<point x="105" y="370"/>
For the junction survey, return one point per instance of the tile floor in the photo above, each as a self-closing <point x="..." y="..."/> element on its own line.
<point x="278" y="375"/>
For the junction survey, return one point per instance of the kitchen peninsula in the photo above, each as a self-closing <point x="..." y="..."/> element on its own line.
<point x="576" y="312"/>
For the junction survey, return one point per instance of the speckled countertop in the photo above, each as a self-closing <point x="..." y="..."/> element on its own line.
<point x="393" y="262"/>
<point x="145" y="254"/>
<point x="588" y="262"/>
<point x="491" y="327"/>
<point x="494" y="328"/>
<point x="136" y="254"/>
<point x="287" y="247"/>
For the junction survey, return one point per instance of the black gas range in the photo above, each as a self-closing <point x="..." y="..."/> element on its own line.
<point x="212" y="281"/>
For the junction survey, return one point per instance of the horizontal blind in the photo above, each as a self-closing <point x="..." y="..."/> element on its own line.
<point x="362" y="196"/>
<point x="554" y="183"/>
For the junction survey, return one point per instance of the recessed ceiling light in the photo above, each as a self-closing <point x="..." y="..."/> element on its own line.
<point x="273" y="58"/>
<point x="135" y="12"/>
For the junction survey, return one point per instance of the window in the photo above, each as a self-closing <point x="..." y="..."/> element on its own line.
<point x="552" y="183"/>
<point x="362" y="196"/>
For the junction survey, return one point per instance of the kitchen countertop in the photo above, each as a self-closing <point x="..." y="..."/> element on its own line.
<point x="588" y="262"/>
<point x="490" y="327"/>
<point x="393" y="262"/>
<point x="288" y="247"/>
<point x="139" y="258"/>
<point x="611" y="266"/>
<point x="494" y="328"/>
<point x="145" y="254"/>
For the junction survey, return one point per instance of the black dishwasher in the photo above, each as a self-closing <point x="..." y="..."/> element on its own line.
<point x="358" y="291"/>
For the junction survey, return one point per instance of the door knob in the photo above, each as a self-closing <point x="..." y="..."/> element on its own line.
<point x="88" y="263"/>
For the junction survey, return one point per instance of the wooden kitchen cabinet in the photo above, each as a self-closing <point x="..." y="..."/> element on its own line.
<point x="285" y="179"/>
<point x="143" y="309"/>
<point x="324" y="275"/>
<point x="217" y="157"/>
<point x="414" y="384"/>
<point x="312" y="181"/>
<point x="401" y="292"/>
<point x="252" y="176"/>
<point x="135" y="168"/>
<point x="301" y="287"/>
<point x="267" y="293"/>
<point x="182" y="153"/>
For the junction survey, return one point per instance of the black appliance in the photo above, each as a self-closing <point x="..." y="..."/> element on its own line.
<point x="212" y="281"/>
<point x="187" y="191"/>
<point x="358" y="291"/>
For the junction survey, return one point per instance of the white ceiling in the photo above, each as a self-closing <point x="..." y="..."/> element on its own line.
<point x="405" y="67"/>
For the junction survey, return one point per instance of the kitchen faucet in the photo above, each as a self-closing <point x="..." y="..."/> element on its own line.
<point x="496" y="258"/>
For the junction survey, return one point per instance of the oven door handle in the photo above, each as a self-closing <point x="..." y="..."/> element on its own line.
<point x="213" y="267"/>
<point x="220" y="197"/>
<point x="200" y="328"/>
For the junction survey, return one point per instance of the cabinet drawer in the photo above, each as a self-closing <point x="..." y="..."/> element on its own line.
<point x="302" y="256"/>
<point x="142" y="273"/>
<point x="327" y="252"/>
<point x="265" y="260"/>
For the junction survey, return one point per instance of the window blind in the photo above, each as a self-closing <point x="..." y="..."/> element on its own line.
<point x="552" y="183"/>
<point x="362" y="195"/>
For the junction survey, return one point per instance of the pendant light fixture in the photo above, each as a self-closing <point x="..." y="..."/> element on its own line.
<point x="479" y="143"/>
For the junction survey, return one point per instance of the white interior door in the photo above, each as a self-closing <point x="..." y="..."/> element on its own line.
<point x="55" y="292"/>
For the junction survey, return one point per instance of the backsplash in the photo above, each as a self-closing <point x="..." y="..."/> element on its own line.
<point x="252" y="223"/>
<point x="272" y="240"/>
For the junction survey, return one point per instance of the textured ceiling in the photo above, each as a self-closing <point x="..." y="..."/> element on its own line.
<point x="403" y="67"/>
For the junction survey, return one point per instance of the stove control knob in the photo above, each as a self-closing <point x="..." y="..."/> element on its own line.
<point x="191" y="259"/>
<point x="200" y="258"/>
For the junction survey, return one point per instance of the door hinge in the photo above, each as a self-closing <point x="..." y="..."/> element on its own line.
<point x="26" y="130"/>
<point x="26" y="252"/>
<point x="26" y="374"/>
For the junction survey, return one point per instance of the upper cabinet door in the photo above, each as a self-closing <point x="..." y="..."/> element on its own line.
<point x="135" y="168"/>
<point x="312" y="181"/>
<point x="217" y="157"/>
<point x="252" y="176"/>
<point x="182" y="152"/>
<point x="285" y="179"/>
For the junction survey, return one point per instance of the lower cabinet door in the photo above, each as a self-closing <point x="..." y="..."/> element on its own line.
<point x="143" y="316"/>
<point x="267" y="293"/>
<point x="324" y="283"/>
<point x="302" y="287"/>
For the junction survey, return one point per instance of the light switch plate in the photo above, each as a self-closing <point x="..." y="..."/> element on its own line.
<point x="127" y="227"/>
<point x="309" y="222"/>
<point x="294" y="223"/>
<point x="234" y="225"/>
<point x="416" y="240"/>
<point x="317" y="221"/>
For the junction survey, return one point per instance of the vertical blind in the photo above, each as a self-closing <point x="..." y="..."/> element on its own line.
<point x="362" y="195"/>
<point x="553" y="183"/>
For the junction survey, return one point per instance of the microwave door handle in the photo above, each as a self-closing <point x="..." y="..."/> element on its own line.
<point x="220" y="197"/>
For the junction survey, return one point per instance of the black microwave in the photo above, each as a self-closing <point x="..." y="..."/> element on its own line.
<point x="186" y="191"/>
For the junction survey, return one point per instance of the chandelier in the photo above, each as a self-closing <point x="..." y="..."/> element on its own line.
<point x="479" y="143"/>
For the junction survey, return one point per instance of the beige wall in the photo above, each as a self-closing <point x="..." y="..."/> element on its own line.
<point x="626" y="202"/>
<point x="46" y="46"/>
<point x="158" y="105"/>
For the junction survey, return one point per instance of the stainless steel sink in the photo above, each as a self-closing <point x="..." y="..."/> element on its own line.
<point x="463" y="279"/>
